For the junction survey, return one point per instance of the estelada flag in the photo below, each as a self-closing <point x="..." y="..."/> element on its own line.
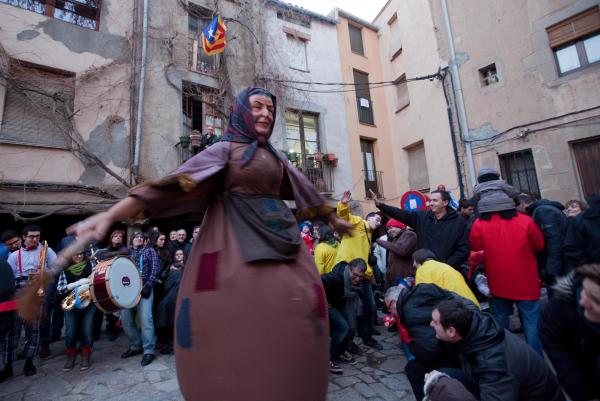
<point x="213" y="37"/>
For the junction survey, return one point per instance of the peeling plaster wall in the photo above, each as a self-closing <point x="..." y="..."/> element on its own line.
<point x="99" y="97"/>
<point x="530" y="89"/>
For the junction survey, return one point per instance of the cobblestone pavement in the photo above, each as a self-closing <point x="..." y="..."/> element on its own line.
<point x="377" y="376"/>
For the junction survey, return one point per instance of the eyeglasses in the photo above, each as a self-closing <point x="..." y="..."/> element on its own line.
<point x="33" y="236"/>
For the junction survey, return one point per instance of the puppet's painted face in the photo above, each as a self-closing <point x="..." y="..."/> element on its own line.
<point x="262" y="114"/>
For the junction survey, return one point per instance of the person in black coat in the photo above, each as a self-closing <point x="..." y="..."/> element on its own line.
<point x="570" y="339"/>
<point x="502" y="365"/>
<point x="165" y="311"/>
<point x="440" y="229"/>
<point x="342" y="286"/>
<point x="582" y="242"/>
<point x="414" y="309"/>
<point x="7" y="318"/>
<point x="550" y="218"/>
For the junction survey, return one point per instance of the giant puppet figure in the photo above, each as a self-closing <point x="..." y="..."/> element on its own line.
<point x="251" y="318"/>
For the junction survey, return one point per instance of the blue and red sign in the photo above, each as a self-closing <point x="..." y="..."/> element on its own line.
<point x="414" y="200"/>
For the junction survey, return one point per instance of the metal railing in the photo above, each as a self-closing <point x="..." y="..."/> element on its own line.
<point x="318" y="172"/>
<point x="365" y="114"/>
<point x="374" y="182"/>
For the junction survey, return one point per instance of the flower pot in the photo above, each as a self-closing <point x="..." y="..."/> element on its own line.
<point x="331" y="157"/>
<point x="333" y="163"/>
<point x="319" y="156"/>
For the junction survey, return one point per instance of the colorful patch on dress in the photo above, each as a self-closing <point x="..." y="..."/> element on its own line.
<point x="183" y="329"/>
<point x="270" y="205"/>
<point x="207" y="272"/>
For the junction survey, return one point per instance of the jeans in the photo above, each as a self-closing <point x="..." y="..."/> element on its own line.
<point x="339" y="331"/>
<point x="365" y="322"/>
<point x="79" y="325"/>
<point x="147" y="341"/>
<point x="530" y="313"/>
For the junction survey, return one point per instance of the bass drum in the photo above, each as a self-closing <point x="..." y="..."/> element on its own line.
<point x="116" y="284"/>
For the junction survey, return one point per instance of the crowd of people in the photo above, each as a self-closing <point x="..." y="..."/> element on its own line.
<point x="449" y="281"/>
<point x="160" y="260"/>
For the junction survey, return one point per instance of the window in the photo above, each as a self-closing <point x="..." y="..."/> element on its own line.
<point x="294" y="18"/>
<point x="198" y="19"/>
<point x="373" y="179"/>
<point x="418" y="175"/>
<point x="488" y="75"/>
<point x="363" y="98"/>
<point x="587" y="158"/>
<point x="85" y="13"/>
<point x="38" y="112"/>
<point x="302" y="136"/>
<point x="402" y="99"/>
<point x="518" y="169"/>
<point x="356" y="42"/>
<point x="576" y="41"/>
<point x="201" y="107"/>
<point x="395" y="42"/>
<point x="297" y="51"/>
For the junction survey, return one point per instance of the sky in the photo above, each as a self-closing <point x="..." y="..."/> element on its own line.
<point x="366" y="10"/>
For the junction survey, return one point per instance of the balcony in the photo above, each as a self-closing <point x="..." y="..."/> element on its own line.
<point x="374" y="182"/>
<point x="319" y="171"/>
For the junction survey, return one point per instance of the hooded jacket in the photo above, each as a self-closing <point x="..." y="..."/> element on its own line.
<point x="504" y="366"/>
<point x="447" y="237"/>
<point x="509" y="249"/>
<point x="571" y="342"/>
<point x="582" y="242"/>
<point x="358" y="244"/>
<point x="495" y="196"/>
<point x="549" y="217"/>
<point x="414" y="308"/>
<point x="434" y="272"/>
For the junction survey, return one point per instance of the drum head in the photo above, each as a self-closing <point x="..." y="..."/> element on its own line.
<point x="124" y="283"/>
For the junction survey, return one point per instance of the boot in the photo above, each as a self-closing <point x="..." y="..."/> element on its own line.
<point x="44" y="351"/>
<point x="70" y="362"/>
<point x="29" y="369"/>
<point x="86" y="352"/>
<point x="6" y="372"/>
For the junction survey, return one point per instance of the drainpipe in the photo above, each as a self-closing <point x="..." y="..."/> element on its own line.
<point x="453" y="136"/>
<point x="132" y="85"/>
<point x="138" y="122"/>
<point x="458" y="95"/>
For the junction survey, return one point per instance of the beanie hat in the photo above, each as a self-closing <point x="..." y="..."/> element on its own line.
<point x="395" y="223"/>
<point x="487" y="174"/>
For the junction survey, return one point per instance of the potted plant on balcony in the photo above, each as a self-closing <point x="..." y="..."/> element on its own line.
<point x="331" y="157"/>
<point x="292" y="155"/>
<point x="184" y="140"/>
<point x="319" y="156"/>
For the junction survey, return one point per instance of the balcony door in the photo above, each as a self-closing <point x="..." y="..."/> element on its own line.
<point x="372" y="176"/>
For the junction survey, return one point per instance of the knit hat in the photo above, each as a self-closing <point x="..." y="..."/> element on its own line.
<point x="487" y="173"/>
<point x="439" y="386"/>
<point x="395" y="223"/>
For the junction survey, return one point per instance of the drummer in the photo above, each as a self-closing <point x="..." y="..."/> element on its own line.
<point x="79" y="321"/>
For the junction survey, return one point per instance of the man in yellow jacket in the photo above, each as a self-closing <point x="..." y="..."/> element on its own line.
<point x="431" y="271"/>
<point x="355" y="245"/>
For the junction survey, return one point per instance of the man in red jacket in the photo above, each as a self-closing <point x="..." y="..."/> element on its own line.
<point x="510" y="241"/>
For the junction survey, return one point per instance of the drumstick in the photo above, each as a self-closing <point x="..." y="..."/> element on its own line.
<point x="29" y="302"/>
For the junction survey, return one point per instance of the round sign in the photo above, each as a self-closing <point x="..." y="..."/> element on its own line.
<point x="414" y="200"/>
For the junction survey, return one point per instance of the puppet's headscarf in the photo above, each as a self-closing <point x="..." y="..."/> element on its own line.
<point x="241" y="124"/>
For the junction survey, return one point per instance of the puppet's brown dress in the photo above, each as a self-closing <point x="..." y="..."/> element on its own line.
<point x="247" y="331"/>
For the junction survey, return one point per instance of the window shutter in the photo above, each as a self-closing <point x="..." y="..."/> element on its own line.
<point x="574" y="28"/>
<point x="29" y="116"/>
<point x="418" y="175"/>
<point x="356" y="43"/>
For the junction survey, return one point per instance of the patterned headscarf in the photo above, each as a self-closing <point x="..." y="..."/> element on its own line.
<point x="241" y="124"/>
